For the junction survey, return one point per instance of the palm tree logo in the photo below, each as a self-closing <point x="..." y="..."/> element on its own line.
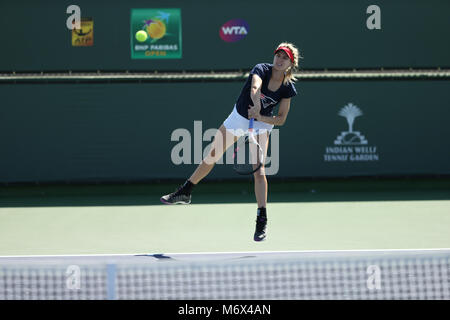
<point x="350" y="112"/>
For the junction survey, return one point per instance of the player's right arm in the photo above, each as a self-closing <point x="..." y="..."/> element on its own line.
<point x="255" y="92"/>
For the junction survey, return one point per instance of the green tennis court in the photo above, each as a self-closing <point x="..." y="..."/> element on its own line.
<point x="127" y="219"/>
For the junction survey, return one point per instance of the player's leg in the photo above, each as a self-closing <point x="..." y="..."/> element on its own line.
<point x="261" y="188"/>
<point x="222" y="141"/>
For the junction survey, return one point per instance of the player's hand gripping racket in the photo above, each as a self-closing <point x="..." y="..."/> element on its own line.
<point x="248" y="155"/>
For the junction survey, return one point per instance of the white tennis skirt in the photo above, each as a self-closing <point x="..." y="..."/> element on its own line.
<point x="238" y="125"/>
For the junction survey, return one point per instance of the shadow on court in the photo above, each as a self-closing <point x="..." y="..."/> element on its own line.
<point x="208" y="192"/>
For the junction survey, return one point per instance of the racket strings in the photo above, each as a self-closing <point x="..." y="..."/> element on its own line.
<point x="248" y="156"/>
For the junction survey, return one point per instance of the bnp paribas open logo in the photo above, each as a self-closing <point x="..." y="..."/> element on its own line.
<point x="350" y="145"/>
<point x="156" y="34"/>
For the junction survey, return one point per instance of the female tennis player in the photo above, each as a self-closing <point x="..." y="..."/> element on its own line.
<point x="266" y="86"/>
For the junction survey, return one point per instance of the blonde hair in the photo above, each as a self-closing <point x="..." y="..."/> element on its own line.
<point x="289" y="77"/>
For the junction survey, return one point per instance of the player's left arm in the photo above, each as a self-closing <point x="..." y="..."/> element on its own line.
<point x="280" y="118"/>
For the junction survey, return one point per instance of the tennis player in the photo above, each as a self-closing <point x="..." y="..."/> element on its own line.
<point x="267" y="85"/>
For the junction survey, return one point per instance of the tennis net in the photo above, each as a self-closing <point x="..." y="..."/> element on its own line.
<point x="423" y="275"/>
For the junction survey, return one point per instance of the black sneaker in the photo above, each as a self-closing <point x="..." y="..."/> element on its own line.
<point x="177" y="197"/>
<point x="260" y="231"/>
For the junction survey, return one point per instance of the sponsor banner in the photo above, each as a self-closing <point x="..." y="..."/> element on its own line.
<point x="84" y="37"/>
<point x="156" y="34"/>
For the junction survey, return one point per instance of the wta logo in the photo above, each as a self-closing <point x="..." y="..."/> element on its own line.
<point x="234" y="30"/>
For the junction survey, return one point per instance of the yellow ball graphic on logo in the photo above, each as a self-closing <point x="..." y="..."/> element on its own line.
<point x="156" y="29"/>
<point x="141" y="36"/>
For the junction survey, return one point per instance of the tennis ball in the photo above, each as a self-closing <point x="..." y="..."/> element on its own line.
<point x="141" y="36"/>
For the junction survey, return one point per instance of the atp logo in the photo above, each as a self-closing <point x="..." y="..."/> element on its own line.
<point x="234" y="30"/>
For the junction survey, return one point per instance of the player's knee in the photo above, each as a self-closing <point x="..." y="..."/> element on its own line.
<point x="260" y="174"/>
<point x="209" y="160"/>
<point x="212" y="157"/>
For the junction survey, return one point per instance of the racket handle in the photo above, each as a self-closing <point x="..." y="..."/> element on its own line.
<point x="250" y="125"/>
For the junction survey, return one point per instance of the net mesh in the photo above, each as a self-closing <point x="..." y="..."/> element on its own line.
<point x="362" y="278"/>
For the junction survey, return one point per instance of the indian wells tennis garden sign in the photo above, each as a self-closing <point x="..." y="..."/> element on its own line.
<point x="350" y="145"/>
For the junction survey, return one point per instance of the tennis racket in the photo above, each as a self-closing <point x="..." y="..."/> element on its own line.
<point x="248" y="155"/>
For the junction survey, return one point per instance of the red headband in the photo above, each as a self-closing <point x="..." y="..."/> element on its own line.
<point x="288" y="52"/>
